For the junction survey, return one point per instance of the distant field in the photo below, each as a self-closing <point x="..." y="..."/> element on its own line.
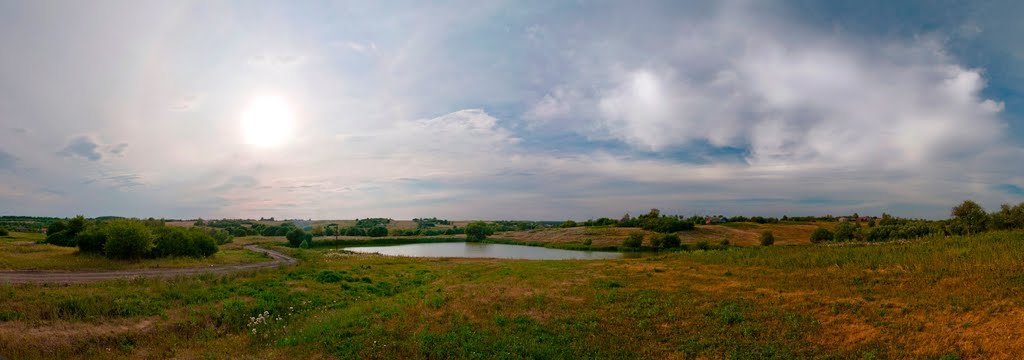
<point x="741" y="234"/>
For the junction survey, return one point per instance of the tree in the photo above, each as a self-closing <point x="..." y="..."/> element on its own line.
<point x="127" y="239"/>
<point x="969" y="217"/>
<point x="767" y="238"/>
<point x="295" y="237"/>
<point x="568" y="224"/>
<point x="3" y="231"/>
<point x="634" y="240"/>
<point x="478" y="230"/>
<point x="821" y="234"/>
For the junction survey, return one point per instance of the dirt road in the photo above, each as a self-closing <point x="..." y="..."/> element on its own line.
<point x="64" y="277"/>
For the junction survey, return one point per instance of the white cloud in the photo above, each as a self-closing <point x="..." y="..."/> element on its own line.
<point x="787" y="94"/>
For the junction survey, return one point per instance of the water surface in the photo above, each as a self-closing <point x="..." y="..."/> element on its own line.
<point x="478" y="250"/>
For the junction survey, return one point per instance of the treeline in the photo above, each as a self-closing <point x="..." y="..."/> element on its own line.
<point x="119" y="238"/>
<point x="652" y="221"/>
<point x="968" y="218"/>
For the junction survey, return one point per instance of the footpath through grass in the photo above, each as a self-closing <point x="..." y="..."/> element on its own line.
<point x="954" y="297"/>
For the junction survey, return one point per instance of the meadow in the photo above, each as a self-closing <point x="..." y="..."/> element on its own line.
<point x="931" y="298"/>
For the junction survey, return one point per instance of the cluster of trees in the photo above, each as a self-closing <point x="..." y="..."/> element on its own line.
<point x="966" y="219"/>
<point x="135" y="239"/>
<point x="426" y="223"/>
<point x="657" y="240"/>
<point x="652" y="221"/>
<point x="478" y="230"/>
<point x="3" y="231"/>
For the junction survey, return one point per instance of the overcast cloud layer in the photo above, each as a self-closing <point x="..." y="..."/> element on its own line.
<point x="508" y="110"/>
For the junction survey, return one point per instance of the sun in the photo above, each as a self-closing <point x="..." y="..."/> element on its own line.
<point x="267" y="121"/>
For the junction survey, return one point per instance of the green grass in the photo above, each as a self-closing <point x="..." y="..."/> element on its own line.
<point x="929" y="298"/>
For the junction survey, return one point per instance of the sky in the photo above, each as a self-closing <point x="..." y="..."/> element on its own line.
<point x="534" y="110"/>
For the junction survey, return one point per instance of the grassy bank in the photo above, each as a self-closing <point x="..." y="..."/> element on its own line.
<point x="958" y="297"/>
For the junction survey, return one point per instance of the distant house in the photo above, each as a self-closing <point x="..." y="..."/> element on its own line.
<point x="844" y="219"/>
<point x="863" y="218"/>
<point x="714" y="220"/>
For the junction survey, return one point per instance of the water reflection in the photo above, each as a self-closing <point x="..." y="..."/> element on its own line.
<point x="478" y="250"/>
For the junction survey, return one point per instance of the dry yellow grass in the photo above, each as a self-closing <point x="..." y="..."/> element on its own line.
<point x="742" y="234"/>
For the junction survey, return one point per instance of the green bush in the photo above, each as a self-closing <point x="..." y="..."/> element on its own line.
<point x="767" y="238"/>
<point x="304" y="244"/>
<point x="60" y="238"/>
<point x="634" y="240"/>
<point x="568" y="224"/>
<point x="670" y="241"/>
<point x="295" y="237"/>
<point x="656" y="240"/>
<point x="702" y="245"/>
<point x="844" y="231"/>
<point x="478" y="230"/>
<point x="821" y="234"/>
<point x="127" y="239"/>
<point x="3" y="231"/>
<point x="175" y="241"/>
<point x="377" y="231"/>
<point x="91" y="239"/>
<point x="665" y="240"/>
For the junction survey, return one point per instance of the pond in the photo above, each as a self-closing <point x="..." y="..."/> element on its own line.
<point x="478" y="250"/>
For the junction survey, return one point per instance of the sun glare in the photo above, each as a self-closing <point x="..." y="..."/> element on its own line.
<point x="267" y="121"/>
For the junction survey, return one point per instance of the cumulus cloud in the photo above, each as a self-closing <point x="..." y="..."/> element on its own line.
<point x="787" y="95"/>
<point x="88" y="148"/>
<point x="84" y="147"/>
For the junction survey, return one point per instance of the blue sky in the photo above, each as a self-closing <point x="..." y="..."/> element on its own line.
<point x="508" y="110"/>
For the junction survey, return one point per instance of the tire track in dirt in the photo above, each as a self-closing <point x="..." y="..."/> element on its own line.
<point x="76" y="277"/>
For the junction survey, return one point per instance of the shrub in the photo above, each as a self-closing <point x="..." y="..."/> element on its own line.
<point x="127" y="239"/>
<point x="304" y="244"/>
<point x="724" y="242"/>
<point x="175" y="241"/>
<point x="296" y="236"/>
<point x="656" y="240"/>
<point x="60" y="238"/>
<point x="843" y="232"/>
<point x="634" y="240"/>
<point x="478" y="230"/>
<point x="92" y="239"/>
<point x="702" y="245"/>
<point x="588" y="242"/>
<point x="665" y="240"/>
<point x="220" y="236"/>
<point x="3" y="231"/>
<point x="328" y="276"/>
<point x="821" y="234"/>
<point x="568" y="224"/>
<point x="377" y="231"/>
<point x="767" y="238"/>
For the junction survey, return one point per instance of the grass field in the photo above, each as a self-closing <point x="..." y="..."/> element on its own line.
<point x="939" y="298"/>
<point x="19" y="251"/>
